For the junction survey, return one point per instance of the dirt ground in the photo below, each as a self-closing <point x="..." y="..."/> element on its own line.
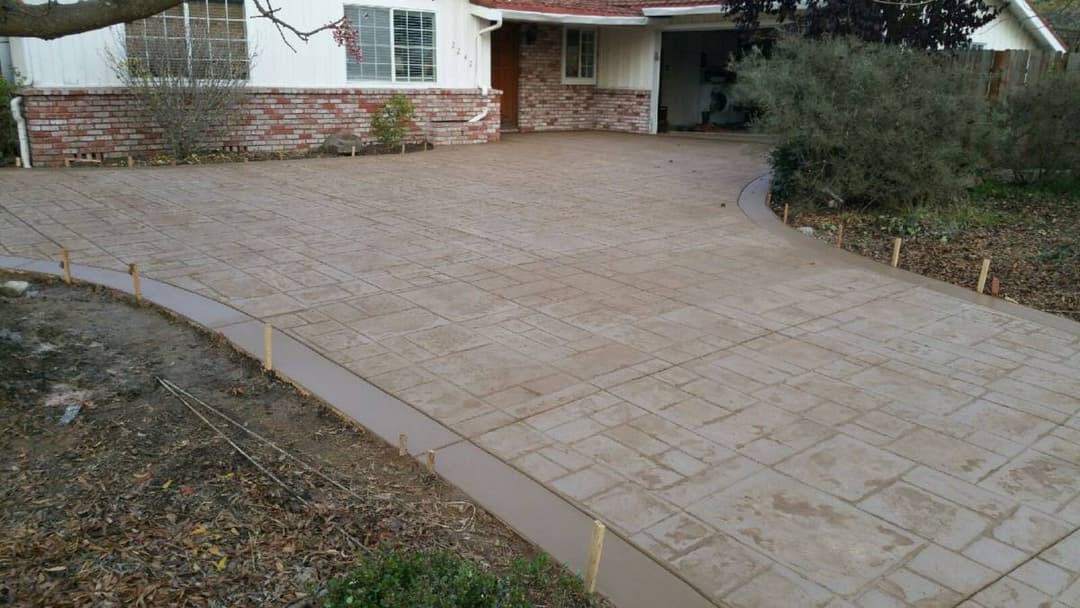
<point x="1032" y="240"/>
<point x="137" y="502"/>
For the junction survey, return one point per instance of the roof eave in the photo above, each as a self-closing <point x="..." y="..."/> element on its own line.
<point x="571" y="18"/>
<point x="675" y="11"/>
<point x="1035" y="25"/>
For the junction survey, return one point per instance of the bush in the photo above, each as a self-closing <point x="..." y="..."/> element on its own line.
<point x="866" y="125"/>
<point x="9" y="136"/>
<point x="194" y="103"/>
<point x="390" y="579"/>
<point x="391" y="123"/>
<point x="1042" y="142"/>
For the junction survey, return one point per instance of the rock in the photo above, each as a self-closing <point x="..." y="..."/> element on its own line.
<point x="14" y="289"/>
<point x="807" y="230"/>
<point x="6" y="335"/>
<point x="341" y="143"/>
<point x="70" y="412"/>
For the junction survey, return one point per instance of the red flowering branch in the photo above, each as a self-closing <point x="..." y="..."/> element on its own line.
<point x="343" y="31"/>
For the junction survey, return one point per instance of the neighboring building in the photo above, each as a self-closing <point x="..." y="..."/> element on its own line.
<point x="472" y="70"/>
<point x="1018" y="27"/>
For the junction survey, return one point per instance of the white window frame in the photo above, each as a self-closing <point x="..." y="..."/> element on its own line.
<point x="596" y="52"/>
<point x="393" y="56"/>
<point x="187" y="36"/>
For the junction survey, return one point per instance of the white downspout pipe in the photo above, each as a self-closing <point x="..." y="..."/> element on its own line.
<point x="20" y="122"/>
<point x="484" y="86"/>
<point x="481" y="116"/>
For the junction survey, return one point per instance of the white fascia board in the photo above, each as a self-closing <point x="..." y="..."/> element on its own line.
<point x="1033" y="23"/>
<point x="537" y="17"/>
<point x="675" y="11"/>
<point x="483" y="12"/>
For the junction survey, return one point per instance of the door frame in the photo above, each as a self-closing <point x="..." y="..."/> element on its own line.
<point x="509" y="25"/>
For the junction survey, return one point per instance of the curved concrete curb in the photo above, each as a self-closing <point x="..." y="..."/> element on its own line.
<point x="752" y="203"/>
<point x="628" y="577"/>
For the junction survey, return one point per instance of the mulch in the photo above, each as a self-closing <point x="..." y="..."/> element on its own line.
<point x="1034" y="251"/>
<point x="137" y="502"/>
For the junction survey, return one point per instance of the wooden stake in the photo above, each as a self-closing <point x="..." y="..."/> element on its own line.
<point x="268" y="346"/>
<point x="768" y="198"/>
<point x="840" y="237"/>
<point x="896" y="251"/>
<point x="133" y="270"/>
<point x="595" y="549"/>
<point x="403" y="444"/>
<point x="402" y="147"/>
<point x="995" y="286"/>
<point x="18" y="161"/>
<point x="785" y="213"/>
<point x="982" y="275"/>
<point x="65" y="263"/>
<point x="431" y="461"/>
<point x="131" y="162"/>
<point x="353" y="151"/>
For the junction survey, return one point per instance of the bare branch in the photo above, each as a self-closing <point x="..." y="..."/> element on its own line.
<point x="268" y="12"/>
<point x="53" y="20"/>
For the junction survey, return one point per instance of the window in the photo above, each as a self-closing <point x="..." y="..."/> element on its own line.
<point x="579" y="56"/>
<point x="396" y="45"/>
<point x="203" y="38"/>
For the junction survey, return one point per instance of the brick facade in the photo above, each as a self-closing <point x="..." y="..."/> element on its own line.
<point x="549" y="105"/>
<point x="106" y="122"/>
<point x="621" y="110"/>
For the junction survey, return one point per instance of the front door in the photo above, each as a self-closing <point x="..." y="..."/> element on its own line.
<point x="505" y="68"/>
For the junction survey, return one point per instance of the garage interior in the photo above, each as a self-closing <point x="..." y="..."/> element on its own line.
<point x="696" y="81"/>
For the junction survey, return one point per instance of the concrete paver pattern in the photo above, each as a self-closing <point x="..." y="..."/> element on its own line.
<point x="596" y="310"/>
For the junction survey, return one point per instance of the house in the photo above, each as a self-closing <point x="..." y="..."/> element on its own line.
<point x="472" y="69"/>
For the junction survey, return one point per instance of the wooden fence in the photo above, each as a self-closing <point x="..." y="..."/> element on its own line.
<point x="1000" y="73"/>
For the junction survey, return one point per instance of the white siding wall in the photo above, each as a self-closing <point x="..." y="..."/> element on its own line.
<point x="1005" y="33"/>
<point x="79" y="60"/>
<point x="625" y="58"/>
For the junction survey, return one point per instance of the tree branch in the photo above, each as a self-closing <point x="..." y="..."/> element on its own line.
<point x="267" y="11"/>
<point x="53" y="20"/>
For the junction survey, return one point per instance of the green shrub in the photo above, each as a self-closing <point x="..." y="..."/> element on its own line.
<point x="392" y="579"/>
<point x="866" y="125"/>
<point x="9" y="137"/>
<point x="1043" y="141"/>
<point x="391" y="123"/>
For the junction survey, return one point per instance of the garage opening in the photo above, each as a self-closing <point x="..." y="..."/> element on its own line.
<point x="696" y="81"/>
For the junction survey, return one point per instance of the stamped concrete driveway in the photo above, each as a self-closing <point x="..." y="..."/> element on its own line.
<point x="780" y="428"/>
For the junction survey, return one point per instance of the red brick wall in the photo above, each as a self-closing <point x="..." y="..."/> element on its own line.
<point x="549" y="105"/>
<point x="546" y="103"/>
<point x="621" y="110"/>
<point x="105" y="121"/>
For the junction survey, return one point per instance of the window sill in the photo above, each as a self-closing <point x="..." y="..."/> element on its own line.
<point x="578" y="81"/>
<point x="391" y="84"/>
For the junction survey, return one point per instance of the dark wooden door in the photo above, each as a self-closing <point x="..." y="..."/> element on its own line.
<point x="505" y="70"/>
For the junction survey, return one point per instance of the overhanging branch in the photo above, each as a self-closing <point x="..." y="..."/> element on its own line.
<point x="268" y="12"/>
<point x="53" y="20"/>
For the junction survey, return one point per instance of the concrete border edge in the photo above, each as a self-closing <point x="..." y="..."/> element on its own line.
<point x="629" y="577"/>
<point x="752" y="203"/>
